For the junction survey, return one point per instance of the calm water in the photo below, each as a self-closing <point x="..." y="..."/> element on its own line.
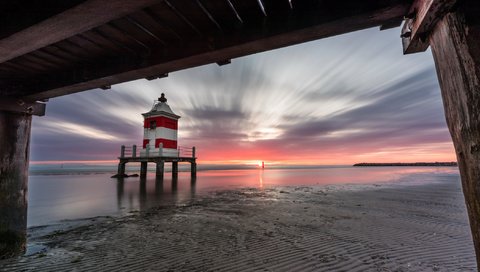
<point x="53" y="198"/>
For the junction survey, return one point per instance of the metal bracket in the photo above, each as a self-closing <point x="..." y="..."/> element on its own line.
<point x="21" y="106"/>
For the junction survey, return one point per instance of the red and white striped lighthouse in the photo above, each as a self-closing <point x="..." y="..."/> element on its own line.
<point x="160" y="130"/>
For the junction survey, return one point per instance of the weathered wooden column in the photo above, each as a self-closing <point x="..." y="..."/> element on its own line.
<point x="14" y="149"/>
<point x="160" y="169"/>
<point x="15" y="125"/>
<point x="453" y="31"/>
<point x="143" y="169"/>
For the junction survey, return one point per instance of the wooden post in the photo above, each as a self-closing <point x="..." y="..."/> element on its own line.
<point x="174" y="169"/>
<point x="120" y="192"/>
<point x="193" y="169"/>
<point x="143" y="170"/>
<point x="193" y="152"/>
<point x="122" y="151"/>
<point x="160" y="150"/>
<point x="134" y="151"/>
<point x="121" y="169"/>
<point x="455" y="43"/>
<point x="14" y="158"/>
<point x="160" y="169"/>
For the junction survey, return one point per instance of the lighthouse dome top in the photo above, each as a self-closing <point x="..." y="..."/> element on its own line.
<point x="161" y="108"/>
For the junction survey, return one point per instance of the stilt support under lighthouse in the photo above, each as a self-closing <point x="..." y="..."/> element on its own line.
<point x="159" y="163"/>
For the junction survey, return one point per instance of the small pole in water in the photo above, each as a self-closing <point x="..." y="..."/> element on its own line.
<point x="263" y="165"/>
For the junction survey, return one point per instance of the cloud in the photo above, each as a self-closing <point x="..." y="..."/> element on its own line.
<point x="345" y="97"/>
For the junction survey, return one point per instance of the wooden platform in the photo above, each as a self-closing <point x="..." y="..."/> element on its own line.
<point x="129" y="155"/>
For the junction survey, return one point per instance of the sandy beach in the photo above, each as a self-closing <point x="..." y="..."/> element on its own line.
<point x="377" y="227"/>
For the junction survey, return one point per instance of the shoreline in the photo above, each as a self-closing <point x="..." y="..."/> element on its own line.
<point x="375" y="164"/>
<point x="386" y="226"/>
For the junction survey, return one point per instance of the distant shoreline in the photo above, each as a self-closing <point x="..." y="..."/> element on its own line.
<point x="366" y="164"/>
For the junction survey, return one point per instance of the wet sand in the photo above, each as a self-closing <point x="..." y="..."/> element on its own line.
<point x="378" y="227"/>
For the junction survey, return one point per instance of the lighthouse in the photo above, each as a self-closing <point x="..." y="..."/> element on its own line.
<point x="160" y="130"/>
<point x="160" y="133"/>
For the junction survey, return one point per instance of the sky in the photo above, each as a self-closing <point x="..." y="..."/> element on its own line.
<point x="341" y="100"/>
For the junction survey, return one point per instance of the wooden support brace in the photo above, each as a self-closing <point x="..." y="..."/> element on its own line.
<point x="420" y="21"/>
<point x="22" y="106"/>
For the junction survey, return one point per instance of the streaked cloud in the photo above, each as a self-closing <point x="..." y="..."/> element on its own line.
<point x="342" y="99"/>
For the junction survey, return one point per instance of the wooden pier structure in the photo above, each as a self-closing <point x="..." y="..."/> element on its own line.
<point x="129" y="154"/>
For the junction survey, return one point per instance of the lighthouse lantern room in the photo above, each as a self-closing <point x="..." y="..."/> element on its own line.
<point x="160" y="130"/>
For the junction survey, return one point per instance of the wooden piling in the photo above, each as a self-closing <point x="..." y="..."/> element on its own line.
<point x="159" y="159"/>
<point x="14" y="158"/>
<point x="174" y="169"/>
<point x="456" y="50"/>
<point x="121" y="170"/>
<point x="193" y="169"/>
<point x="160" y="169"/>
<point x="143" y="169"/>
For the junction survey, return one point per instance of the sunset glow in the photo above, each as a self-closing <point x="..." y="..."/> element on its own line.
<point x="332" y="101"/>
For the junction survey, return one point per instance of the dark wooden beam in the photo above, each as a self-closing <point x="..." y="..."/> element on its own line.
<point x="22" y="106"/>
<point x="420" y="21"/>
<point x="456" y="50"/>
<point x="18" y="15"/>
<point x="305" y="26"/>
<point x="224" y="62"/>
<point x="78" y="19"/>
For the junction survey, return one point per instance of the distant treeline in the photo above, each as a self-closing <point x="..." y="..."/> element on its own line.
<point x="407" y="164"/>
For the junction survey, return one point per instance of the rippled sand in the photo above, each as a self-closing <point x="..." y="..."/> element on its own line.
<point x="384" y="227"/>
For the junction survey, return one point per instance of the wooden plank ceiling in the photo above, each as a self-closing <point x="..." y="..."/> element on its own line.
<point x="61" y="50"/>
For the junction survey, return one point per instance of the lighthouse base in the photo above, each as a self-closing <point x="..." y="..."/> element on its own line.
<point x="159" y="165"/>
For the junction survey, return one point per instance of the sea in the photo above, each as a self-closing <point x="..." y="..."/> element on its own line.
<point x="61" y="192"/>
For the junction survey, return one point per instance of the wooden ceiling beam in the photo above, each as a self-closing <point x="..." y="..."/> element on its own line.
<point x="254" y="39"/>
<point x="420" y="21"/>
<point x="183" y="17"/>
<point x="85" y="16"/>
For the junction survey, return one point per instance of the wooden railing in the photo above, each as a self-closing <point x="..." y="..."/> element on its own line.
<point x="131" y="152"/>
<point x="128" y="151"/>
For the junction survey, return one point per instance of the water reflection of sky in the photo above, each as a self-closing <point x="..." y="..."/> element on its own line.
<point x="53" y="198"/>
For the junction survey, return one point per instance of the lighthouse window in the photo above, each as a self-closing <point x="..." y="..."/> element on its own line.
<point x="153" y="124"/>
